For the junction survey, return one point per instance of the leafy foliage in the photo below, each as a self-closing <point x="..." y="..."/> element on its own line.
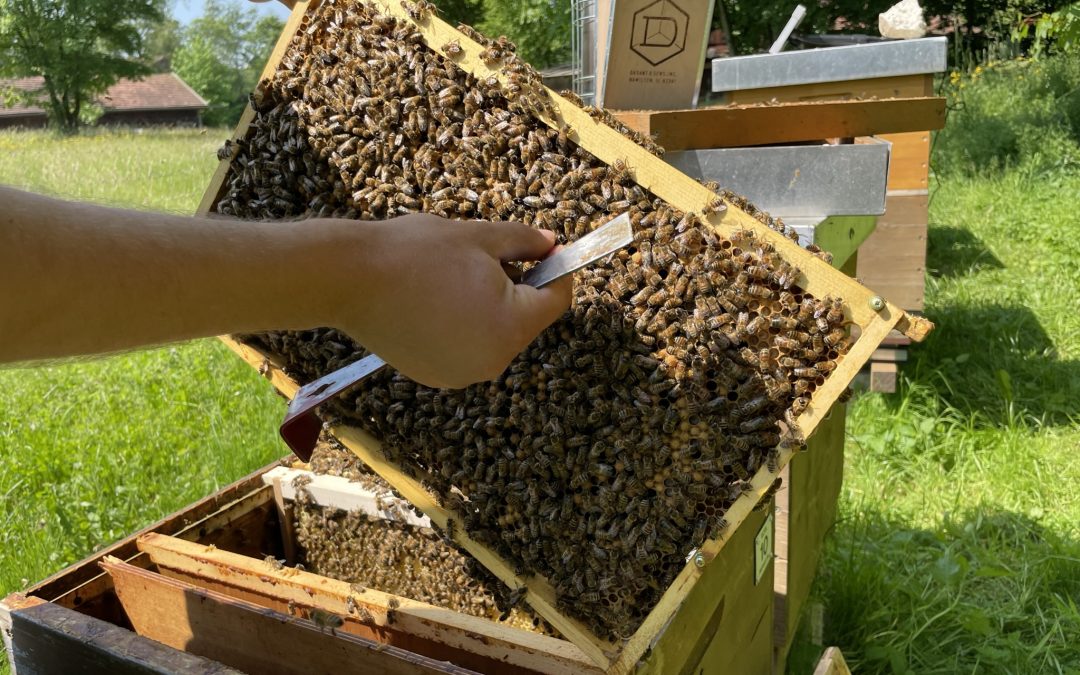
<point x="540" y="28"/>
<point x="1012" y="113"/>
<point x="461" y="11"/>
<point x="755" y="25"/>
<point x="223" y="53"/>
<point x="978" y="23"/>
<point x="160" y="40"/>
<point x="1058" y="30"/>
<point x="80" y="47"/>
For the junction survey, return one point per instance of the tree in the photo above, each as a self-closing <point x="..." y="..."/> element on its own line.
<point x="79" y="47"/>
<point x="160" y="41"/>
<point x="1059" y="30"/>
<point x="540" y="28"/>
<point x="222" y="54"/>
<point x="755" y="25"/>
<point x="461" y="11"/>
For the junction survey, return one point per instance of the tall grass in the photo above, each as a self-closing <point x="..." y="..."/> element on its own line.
<point x="92" y="450"/>
<point x="162" y="169"/>
<point x="1015" y="114"/>
<point x="958" y="544"/>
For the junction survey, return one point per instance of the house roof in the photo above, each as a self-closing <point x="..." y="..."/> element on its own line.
<point x="161" y="91"/>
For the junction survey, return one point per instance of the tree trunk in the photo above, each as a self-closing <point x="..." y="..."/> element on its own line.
<point x="69" y="123"/>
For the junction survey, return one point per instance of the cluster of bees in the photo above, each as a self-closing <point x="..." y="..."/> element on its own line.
<point x="612" y="446"/>
<point x="392" y="556"/>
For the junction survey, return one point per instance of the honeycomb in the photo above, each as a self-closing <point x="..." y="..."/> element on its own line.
<point x="612" y="446"/>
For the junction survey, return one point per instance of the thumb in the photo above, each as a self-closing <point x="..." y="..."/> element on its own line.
<point x="534" y="309"/>
<point x="517" y="241"/>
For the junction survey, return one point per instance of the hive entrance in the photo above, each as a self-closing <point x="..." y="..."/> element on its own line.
<point x="617" y="442"/>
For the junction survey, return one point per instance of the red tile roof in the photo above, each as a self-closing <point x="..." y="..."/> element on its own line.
<point x="161" y="91"/>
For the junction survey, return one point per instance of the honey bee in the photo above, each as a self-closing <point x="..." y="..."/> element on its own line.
<point x="777" y="389"/>
<point x="759" y="291"/>
<point x="763" y="503"/>
<point x="620" y="172"/>
<point x="825" y="367"/>
<point x="786" y="275"/>
<point x="326" y="620"/>
<point x="226" y="150"/>
<point x="419" y="10"/>
<point x="787" y="300"/>
<point x="835" y="337"/>
<point x="751" y="406"/>
<point x="714" y="207"/>
<point x="491" y="56"/>
<point x="799" y="405"/>
<point x="453" y="48"/>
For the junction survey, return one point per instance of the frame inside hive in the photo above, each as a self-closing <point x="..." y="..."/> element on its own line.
<point x="874" y="317"/>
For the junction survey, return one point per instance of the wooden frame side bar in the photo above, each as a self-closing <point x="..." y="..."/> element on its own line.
<point x="462" y="633"/>
<point x="540" y="594"/>
<point x="747" y="125"/>
<point x="247" y="636"/>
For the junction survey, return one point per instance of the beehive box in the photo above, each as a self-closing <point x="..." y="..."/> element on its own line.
<point x="394" y="38"/>
<point x="204" y="591"/>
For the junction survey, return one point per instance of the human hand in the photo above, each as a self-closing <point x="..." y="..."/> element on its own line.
<point x="433" y="298"/>
<point x="287" y="3"/>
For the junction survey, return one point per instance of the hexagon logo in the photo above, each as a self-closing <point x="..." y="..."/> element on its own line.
<point x="659" y="31"/>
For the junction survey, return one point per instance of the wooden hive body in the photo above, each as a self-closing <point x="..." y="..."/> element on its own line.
<point x="873" y="316"/>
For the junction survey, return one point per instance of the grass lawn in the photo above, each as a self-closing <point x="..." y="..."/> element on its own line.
<point x="958" y="546"/>
<point x="94" y="449"/>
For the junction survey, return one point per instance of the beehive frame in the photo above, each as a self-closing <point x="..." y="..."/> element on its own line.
<point x="874" y="317"/>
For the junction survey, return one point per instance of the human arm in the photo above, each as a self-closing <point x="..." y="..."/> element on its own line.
<point x="430" y="296"/>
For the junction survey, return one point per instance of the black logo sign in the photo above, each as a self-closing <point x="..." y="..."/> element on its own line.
<point x="659" y="31"/>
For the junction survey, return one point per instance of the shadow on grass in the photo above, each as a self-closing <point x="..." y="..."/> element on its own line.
<point x="989" y="591"/>
<point x="955" y="251"/>
<point x="998" y="362"/>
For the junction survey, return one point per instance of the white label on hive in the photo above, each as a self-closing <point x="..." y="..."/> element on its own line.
<point x="763" y="548"/>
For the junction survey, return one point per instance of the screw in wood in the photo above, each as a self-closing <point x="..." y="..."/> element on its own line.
<point x="877" y="303"/>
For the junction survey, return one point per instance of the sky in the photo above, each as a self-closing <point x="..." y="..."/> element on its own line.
<point x="186" y="10"/>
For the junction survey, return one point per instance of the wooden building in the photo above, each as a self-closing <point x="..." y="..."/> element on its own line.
<point x="159" y="99"/>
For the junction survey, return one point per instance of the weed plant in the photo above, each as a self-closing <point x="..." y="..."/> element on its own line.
<point x="1015" y="114"/>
